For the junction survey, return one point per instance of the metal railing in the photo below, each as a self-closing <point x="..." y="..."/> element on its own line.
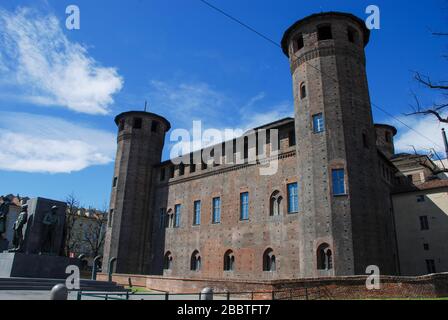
<point x="286" y="294"/>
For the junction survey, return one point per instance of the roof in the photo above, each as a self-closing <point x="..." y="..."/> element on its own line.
<point x="429" y="185"/>
<point x="303" y="21"/>
<point x="143" y="114"/>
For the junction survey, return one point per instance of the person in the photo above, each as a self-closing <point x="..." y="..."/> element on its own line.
<point x="50" y="222"/>
<point x="4" y="210"/>
<point x="22" y="219"/>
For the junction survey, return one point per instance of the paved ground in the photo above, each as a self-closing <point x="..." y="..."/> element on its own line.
<point x="45" y="295"/>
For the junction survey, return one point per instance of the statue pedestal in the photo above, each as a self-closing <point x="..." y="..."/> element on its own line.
<point x="20" y="265"/>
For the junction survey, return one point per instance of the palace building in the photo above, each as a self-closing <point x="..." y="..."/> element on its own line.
<point x="327" y="211"/>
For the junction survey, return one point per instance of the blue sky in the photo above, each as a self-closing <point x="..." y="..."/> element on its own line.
<point x="60" y="89"/>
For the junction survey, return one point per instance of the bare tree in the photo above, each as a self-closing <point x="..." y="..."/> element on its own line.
<point x="72" y="240"/>
<point x="94" y="234"/>
<point x="435" y="109"/>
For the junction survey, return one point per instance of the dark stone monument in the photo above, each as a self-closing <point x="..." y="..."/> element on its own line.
<point x="38" y="242"/>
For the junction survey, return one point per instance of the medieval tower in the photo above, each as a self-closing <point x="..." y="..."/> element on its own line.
<point x="141" y="137"/>
<point x="346" y="214"/>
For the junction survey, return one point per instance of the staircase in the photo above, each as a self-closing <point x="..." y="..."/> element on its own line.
<point x="34" y="284"/>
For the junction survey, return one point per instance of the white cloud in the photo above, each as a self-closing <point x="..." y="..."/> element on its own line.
<point x="426" y="134"/>
<point x="50" y="70"/>
<point x="44" y="144"/>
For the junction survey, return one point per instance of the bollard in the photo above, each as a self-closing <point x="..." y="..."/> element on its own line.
<point x="59" y="292"/>
<point x="207" y="294"/>
<point x="95" y="267"/>
<point x="111" y="267"/>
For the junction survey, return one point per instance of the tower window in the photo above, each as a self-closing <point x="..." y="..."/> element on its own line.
<point x="197" y="213"/>
<point x="324" y="33"/>
<point x="229" y="261"/>
<point x="269" y="263"/>
<point x="338" y="177"/>
<point x="168" y="261"/>
<point x="177" y="212"/>
<point x="111" y="217"/>
<point x="426" y="246"/>
<point x="195" y="263"/>
<point x="181" y="169"/>
<point x="216" y="211"/>
<point x="318" y="123"/>
<point x="365" y="141"/>
<point x="244" y="206"/>
<point x="162" y="218"/>
<point x="115" y="182"/>
<point x="420" y="198"/>
<point x="430" y="266"/>
<point x="172" y="169"/>
<point x="292" y="138"/>
<point x="424" y="225"/>
<point x="299" y="42"/>
<point x="162" y="174"/>
<point x="303" y="91"/>
<point x="352" y="35"/>
<point x="121" y="125"/>
<point x="275" y="207"/>
<point x="154" y="126"/>
<point x="324" y="257"/>
<point x="293" y="198"/>
<point x="138" y="122"/>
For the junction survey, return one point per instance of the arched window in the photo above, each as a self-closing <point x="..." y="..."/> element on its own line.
<point x="324" y="257"/>
<point x="168" y="261"/>
<point x="229" y="261"/>
<point x="269" y="263"/>
<point x="170" y="222"/>
<point x="276" y="204"/>
<point x="303" y="91"/>
<point x="195" y="264"/>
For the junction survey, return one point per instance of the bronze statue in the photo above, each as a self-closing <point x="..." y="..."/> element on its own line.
<point x="50" y="221"/>
<point x="22" y="219"/>
<point x="4" y="210"/>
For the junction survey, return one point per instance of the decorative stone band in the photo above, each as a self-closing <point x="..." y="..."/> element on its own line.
<point x="214" y="172"/>
<point x="325" y="52"/>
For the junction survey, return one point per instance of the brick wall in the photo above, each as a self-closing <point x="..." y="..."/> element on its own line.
<point x="429" y="286"/>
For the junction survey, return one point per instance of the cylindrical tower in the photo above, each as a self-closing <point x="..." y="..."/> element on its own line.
<point x="385" y="139"/>
<point x="141" y="137"/>
<point x="343" y="229"/>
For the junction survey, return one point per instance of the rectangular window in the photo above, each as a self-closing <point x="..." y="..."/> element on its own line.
<point x="420" y="198"/>
<point x="299" y="42"/>
<point x="177" y="213"/>
<point x="154" y="126"/>
<point x="197" y="213"/>
<point x="293" y="198"/>
<point x="318" y="123"/>
<point x="162" y="174"/>
<point x="138" y="123"/>
<point x="426" y="246"/>
<point x="338" y="176"/>
<point x="181" y="169"/>
<point x="162" y="218"/>
<point x="216" y="210"/>
<point x="244" y="206"/>
<point x="292" y="138"/>
<point x="430" y="266"/>
<point x="111" y="217"/>
<point x="172" y="169"/>
<point x="324" y="33"/>
<point x="115" y="182"/>
<point x="424" y="225"/>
